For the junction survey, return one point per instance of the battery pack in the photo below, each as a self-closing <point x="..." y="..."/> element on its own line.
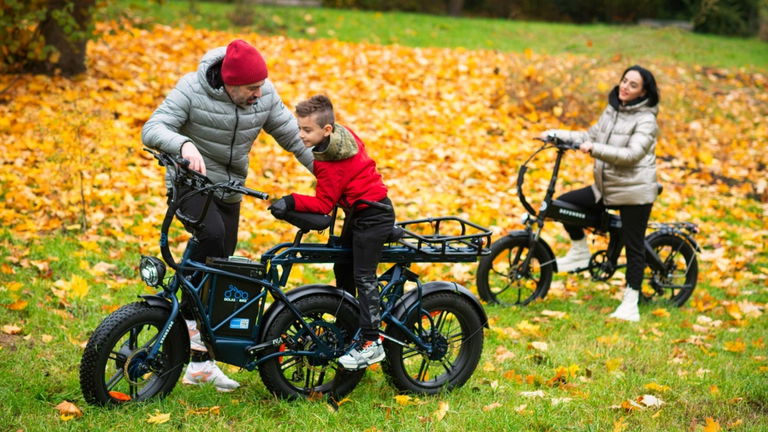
<point x="224" y="295"/>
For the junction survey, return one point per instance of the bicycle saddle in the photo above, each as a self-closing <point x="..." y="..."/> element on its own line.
<point x="308" y="221"/>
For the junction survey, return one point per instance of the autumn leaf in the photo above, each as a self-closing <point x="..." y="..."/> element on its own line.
<point x="711" y="425"/>
<point x="660" y="312"/>
<point x="538" y="345"/>
<point x="656" y="387"/>
<point x="405" y="400"/>
<point x="214" y="410"/>
<point x="442" y="410"/>
<point x="614" y="364"/>
<point x="11" y="329"/>
<point x="620" y="425"/>
<point x="67" y="411"/>
<point x="158" y="418"/>
<point x="491" y="406"/>
<point x="737" y="346"/>
<point x="17" y="305"/>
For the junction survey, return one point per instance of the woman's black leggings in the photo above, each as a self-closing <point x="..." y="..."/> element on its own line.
<point x="634" y="221"/>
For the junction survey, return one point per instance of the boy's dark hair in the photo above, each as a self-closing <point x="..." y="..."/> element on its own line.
<point x="319" y="106"/>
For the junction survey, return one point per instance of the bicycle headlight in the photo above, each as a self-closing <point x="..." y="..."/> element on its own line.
<point x="152" y="270"/>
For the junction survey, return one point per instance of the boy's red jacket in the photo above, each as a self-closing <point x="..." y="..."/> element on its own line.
<point x="344" y="175"/>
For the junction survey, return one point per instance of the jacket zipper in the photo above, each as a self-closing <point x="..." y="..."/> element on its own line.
<point x="232" y="144"/>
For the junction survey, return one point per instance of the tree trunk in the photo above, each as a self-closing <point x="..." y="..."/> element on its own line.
<point x="455" y="7"/>
<point x="762" y="20"/>
<point x="69" y="44"/>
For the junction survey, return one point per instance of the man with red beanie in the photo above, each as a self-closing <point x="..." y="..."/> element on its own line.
<point x="211" y="118"/>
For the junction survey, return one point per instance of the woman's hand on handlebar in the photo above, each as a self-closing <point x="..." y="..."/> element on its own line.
<point x="586" y="147"/>
<point x="190" y="153"/>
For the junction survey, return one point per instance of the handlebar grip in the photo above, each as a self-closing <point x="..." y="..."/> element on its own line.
<point x="254" y="193"/>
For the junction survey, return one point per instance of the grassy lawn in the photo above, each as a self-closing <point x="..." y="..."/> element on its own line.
<point x="417" y="30"/>
<point x="556" y="365"/>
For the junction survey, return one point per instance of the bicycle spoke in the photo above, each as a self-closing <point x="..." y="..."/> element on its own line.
<point x="114" y="379"/>
<point x="291" y="362"/>
<point x="423" y="369"/>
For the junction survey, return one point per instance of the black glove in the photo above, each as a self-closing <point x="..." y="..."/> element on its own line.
<point x="280" y="207"/>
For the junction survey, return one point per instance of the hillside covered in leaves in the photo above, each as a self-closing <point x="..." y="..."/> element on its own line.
<point x="448" y="128"/>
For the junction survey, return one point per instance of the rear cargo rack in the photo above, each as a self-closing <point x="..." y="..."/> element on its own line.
<point x="446" y="235"/>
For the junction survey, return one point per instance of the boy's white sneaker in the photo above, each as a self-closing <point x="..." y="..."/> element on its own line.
<point x="363" y="355"/>
<point x="208" y="372"/>
<point x="628" y="310"/>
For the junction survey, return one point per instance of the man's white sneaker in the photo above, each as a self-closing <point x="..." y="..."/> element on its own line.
<point x="208" y="372"/>
<point x="577" y="257"/>
<point x="628" y="310"/>
<point x="195" y="342"/>
<point x="363" y="355"/>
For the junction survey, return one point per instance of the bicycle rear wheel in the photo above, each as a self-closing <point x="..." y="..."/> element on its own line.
<point x="290" y="376"/>
<point x="677" y="278"/>
<point x="450" y="325"/>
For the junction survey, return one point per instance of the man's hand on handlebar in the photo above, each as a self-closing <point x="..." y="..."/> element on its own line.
<point x="190" y="153"/>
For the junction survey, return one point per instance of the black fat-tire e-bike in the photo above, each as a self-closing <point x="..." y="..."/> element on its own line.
<point x="521" y="264"/>
<point x="433" y="331"/>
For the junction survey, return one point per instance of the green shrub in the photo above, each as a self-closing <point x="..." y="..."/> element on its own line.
<point x="726" y="17"/>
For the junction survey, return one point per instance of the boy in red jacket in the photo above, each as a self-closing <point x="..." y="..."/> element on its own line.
<point x="345" y="174"/>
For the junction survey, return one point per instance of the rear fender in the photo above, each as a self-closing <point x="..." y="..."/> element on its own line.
<point x="671" y="230"/>
<point x="430" y="288"/>
<point x="299" y="293"/>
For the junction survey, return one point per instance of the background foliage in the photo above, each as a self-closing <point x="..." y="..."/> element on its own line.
<point x="448" y="128"/>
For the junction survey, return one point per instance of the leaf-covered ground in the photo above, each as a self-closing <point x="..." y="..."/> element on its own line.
<point x="448" y="129"/>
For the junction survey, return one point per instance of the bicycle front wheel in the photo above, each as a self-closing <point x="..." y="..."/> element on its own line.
<point x="502" y="279"/>
<point x="115" y="367"/>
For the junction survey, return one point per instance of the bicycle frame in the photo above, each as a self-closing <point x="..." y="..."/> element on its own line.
<point x="601" y="222"/>
<point x="271" y="274"/>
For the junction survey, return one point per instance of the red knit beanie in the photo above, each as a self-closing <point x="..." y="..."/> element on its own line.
<point x="242" y="64"/>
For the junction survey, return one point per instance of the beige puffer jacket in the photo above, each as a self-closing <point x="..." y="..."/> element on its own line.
<point x="624" y="148"/>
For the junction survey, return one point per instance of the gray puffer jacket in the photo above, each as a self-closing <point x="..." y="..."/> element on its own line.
<point x="624" y="148"/>
<point x="223" y="132"/>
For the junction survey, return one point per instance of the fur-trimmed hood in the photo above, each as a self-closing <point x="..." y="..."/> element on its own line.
<point x="340" y="145"/>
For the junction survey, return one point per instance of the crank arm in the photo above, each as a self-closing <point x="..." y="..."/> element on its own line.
<point x="283" y="339"/>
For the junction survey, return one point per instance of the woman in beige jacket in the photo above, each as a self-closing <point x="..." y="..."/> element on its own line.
<point x="623" y="144"/>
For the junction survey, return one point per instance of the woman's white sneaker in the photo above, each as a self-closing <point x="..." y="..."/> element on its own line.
<point x="628" y="310"/>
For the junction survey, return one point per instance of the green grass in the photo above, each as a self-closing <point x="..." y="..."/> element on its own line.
<point x="39" y="366"/>
<point x="703" y="379"/>
<point x="417" y="30"/>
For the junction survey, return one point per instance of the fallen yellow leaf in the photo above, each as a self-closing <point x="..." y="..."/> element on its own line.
<point x="158" y="418"/>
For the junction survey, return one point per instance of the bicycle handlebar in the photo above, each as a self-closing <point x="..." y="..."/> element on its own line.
<point x="559" y="142"/>
<point x="199" y="185"/>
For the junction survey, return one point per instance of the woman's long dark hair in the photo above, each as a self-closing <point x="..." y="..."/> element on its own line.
<point x="649" y="84"/>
